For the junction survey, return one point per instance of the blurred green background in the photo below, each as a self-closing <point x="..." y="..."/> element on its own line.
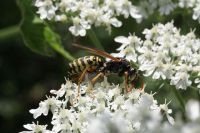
<point x="27" y="77"/>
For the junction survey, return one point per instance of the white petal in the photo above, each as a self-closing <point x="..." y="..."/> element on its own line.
<point x="135" y="13"/>
<point x="36" y="112"/>
<point x="29" y="126"/>
<point x="170" y="119"/>
<point x="122" y="39"/>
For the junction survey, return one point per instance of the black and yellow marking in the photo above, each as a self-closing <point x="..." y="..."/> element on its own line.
<point x="87" y="62"/>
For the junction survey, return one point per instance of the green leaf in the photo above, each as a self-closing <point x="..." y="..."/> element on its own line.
<point x="54" y="41"/>
<point x="32" y="29"/>
<point x="37" y="35"/>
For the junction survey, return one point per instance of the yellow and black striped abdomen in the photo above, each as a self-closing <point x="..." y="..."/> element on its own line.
<point x="79" y="65"/>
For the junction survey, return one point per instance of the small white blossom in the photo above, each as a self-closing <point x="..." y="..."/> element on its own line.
<point x="128" y="49"/>
<point x="46" y="9"/>
<point x="180" y="80"/>
<point x="35" y="128"/>
<point x="167" y="111"/>
<point x="164" y="7"/>
<point x="50" y="104"/>
<point x="79" y="27"/>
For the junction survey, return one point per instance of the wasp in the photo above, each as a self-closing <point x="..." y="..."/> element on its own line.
<point x="116" y="65"/>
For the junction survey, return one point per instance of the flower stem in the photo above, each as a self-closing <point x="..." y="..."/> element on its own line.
<point x="180" y="99"/>
<point x="94" y="39"/>
<point x="9" y="32"/>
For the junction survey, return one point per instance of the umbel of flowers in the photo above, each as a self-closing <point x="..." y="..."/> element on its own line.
<point x="108" y="110"/>
<point x="83" y="14"/>
<point x="164" y="54"/>
<point x="105" y="110"/>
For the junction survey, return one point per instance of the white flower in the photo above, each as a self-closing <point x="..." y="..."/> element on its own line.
<point x="166" y="6"/>
<point x="35" y="128"/>
<point x="167" y="111"/>
<point x="61" y="121"/>
<point x="181" y="80"/>
<point x="128" y="47"/>
<point x="125" y="7"/>
<point x="79" y="27"/>
<point x="50" y="104"/>
<point x="65" y="89"/>
<point x="46" y="9"/>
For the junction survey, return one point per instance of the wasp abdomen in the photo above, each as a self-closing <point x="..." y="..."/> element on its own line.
<point x="79" y="65"/>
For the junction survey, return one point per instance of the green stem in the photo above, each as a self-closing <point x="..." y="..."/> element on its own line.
<point x="196" y="89"/>
<point x="94" y="39"/>
<point x="9" y="32"/>
<point x="180" y="98"/>
<point x="62" y="51"/>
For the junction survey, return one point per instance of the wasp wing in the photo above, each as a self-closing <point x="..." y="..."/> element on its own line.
<point x="96" y="52"/>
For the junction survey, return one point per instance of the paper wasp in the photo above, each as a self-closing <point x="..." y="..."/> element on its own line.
<point x="115" y="65"/>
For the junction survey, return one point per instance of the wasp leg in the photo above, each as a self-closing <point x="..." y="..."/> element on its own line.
<point x="93" y="81"/>
<point x="89" y="90"/>
<point x="81" y="79"/>
<point x="126" y="82"/>
<point x="142" y="87"/>
<point x="79" y="82"/>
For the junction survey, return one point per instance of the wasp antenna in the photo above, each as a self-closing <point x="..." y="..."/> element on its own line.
<point x="96" y="52"/>
<point x="76" y="45"/>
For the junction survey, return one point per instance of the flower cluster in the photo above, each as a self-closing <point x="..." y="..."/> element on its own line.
<point x="148" y="7"/>
<point x="165" y="7"/>
<point x="85" y="13"/>
<point x="106" y="109"/>
<point x="164" y="54"/>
